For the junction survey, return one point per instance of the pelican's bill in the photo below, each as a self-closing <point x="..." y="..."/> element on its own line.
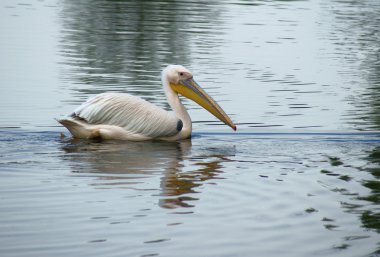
<point x="190" y="89"/>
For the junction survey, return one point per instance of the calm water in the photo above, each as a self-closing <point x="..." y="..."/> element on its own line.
<point x="301" y="79"/>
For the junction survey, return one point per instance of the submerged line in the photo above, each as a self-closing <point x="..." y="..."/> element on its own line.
<point x="353" y="133"/>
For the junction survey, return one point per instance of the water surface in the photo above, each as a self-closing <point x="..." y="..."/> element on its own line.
<point x="299" y="178"/>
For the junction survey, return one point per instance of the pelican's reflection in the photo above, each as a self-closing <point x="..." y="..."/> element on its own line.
<point x="120" y="165"/>
<point x="180" y="183"/>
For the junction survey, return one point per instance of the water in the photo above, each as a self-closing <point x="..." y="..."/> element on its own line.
<point x="299" y="178"/>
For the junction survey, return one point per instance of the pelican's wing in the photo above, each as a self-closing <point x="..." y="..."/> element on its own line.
<point x="132" y="113"/>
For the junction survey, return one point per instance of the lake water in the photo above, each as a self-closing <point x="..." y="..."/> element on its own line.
<point x="300" y="177"/>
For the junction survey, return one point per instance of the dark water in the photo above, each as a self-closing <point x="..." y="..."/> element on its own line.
<point x="300" y="177"/>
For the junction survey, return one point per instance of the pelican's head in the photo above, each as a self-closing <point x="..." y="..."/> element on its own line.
<point x="181" y="81"/>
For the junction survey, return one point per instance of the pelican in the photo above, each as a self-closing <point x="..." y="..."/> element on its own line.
<point x="123" y="116"/>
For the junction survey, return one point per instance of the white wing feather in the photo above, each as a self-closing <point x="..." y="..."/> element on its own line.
<point x="132" y="113"/>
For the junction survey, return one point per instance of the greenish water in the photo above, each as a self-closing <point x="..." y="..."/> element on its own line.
<point x="299" y="178"/>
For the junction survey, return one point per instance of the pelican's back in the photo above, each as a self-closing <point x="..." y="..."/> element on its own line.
<point x="133" y="114"/>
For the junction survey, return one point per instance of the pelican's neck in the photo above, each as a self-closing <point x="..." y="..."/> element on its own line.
<point x="178" y="108"/>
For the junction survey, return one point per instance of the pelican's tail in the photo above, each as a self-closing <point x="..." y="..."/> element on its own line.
<point x="77" y="128"/>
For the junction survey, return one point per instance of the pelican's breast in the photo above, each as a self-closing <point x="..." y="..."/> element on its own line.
<point x="129" y="112"/>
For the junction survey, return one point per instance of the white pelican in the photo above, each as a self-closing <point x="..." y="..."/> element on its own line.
<point x="126" y="117"/>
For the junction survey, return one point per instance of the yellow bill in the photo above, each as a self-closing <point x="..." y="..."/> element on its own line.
<point x="190" y="89"/>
